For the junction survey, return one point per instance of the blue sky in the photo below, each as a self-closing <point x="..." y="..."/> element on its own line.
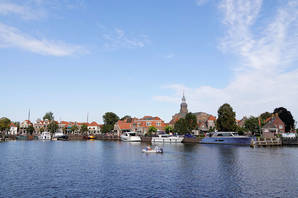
<point x="136" y="57"/>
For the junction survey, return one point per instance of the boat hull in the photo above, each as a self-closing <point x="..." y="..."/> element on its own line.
<point x="227" y="140"/>
<point x="130" y="138"/>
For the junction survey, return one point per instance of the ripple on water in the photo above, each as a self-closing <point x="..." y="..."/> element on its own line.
<point x="117" y="169"/>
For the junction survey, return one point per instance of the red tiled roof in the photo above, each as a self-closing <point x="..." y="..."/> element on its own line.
<point x="12" y="124"/>
<point x="93" y="124"/>
<point x="212" y="118"/>
<point x="123" y="125"/>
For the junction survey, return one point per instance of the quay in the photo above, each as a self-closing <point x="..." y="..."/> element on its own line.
<point x="266" y="142"/>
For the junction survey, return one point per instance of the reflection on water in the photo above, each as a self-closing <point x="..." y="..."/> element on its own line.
<point x="120" y="169"/>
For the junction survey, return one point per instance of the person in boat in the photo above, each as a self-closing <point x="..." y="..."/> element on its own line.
<point x="149" y="148"/>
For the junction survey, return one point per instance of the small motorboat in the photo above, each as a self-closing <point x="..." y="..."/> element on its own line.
<point x="156" y="149"/>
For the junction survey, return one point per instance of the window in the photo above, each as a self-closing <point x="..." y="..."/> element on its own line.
<point x="280" y="127"/>
<point x="148" y="123"/>
<point x="158" y="124"/>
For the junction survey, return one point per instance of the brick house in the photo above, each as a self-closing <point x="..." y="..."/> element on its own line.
<point x="141" y="125"/>
<point x="273" y="126"/>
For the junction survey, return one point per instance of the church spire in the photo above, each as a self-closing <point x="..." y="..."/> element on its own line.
<point x="183" y="106"/>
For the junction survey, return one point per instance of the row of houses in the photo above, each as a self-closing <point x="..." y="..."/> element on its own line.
<point x="63" y="126"/>
<point x="205" y="122"/>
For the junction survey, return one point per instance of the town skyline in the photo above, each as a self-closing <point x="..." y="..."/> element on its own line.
<point x="78" y="57"/>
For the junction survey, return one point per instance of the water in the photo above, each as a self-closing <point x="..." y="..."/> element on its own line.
<point x="119" y="169"/>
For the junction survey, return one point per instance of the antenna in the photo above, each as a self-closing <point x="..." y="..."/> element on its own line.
<point x="29" y="115"/>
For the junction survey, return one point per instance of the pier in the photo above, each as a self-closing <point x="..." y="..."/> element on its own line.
<point x="266" y="142"/>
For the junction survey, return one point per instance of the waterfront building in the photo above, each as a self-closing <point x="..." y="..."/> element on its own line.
<point x="41" y="125"/>
<point x="93" y="128"/>
<point x="273" y="126"/>
<point x="13" y="130"/>
<point x="241" y="122"/>
<point x="205" y="121"/>
<point x="141" y="125"/>
<point x="24" y="126"/>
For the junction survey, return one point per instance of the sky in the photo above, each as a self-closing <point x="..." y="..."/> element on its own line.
<point x="79" y="57"/>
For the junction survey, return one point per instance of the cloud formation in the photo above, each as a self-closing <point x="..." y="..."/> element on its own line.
<point x="118" y="39"/>
<point x="266" y="76"/>
<point x="25" y="12"/>
<point x="12" y="37"/>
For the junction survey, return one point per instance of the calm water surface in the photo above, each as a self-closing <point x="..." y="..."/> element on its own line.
<point x="119" y="169"/>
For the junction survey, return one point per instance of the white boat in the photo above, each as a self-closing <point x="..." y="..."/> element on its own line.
<point x="156" y="149"/>
<point x="45" y="136"/>
<point x="130" y="137"/>
<point x="166" y="138"/>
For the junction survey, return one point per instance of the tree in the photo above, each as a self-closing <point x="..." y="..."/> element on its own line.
<point x="186" y="125"/>
<point x="109" y="120"/>
<point x="49" y="116"/>
<point x="127" y="117"/>
<point x="226" y="118"/>
<point x="4" y="124"/>
<point x="286" y="117"/>
<point x="169" y="129"/>
<point x="84" y="129"/>
<point x="180" y="126"/>
<point x="191" y="122"/>
<point x="252" y="125"/>
<point x="53" y="126"/>
<point x="74" y="128"/>
<point x="151" y="130"/>
<point x="265" y="115"/>
<point x="30" y="129"/>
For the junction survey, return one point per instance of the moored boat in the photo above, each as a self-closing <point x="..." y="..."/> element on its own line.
<point x="166" y="138"/>
<point x="45" y="136"/>
<point x="60" y="136"/>
<point x="130" y="137"/>
<point x="91" y="137"/>
<point x="226" y="138"/>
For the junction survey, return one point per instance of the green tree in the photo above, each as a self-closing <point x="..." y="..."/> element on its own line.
<point x="264" y="116"/>
<point x="49" y="116"/>
<point x="286" y="117"/>
<point x="181" y="126"/>
<point x="169" y="129"/>
<point x="226" y="118"/>
<point x="74" y="128"/>
<point x="151" y="130"/>
<point x="252" y="125"/>
<point x="53" y="126"/>
<point x="30" y="130"/>
<point x="109" y="120"/>
<point x="4" y="124"/>
<point x="191" y="122"/>
<point x="84" y="129"/>
<point x="127" y="117"/>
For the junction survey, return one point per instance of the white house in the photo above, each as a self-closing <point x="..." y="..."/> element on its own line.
<point x="13" y="129"/>
<point x="93" y="128"/>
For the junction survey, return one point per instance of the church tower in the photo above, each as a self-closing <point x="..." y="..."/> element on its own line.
<point x="183" y="106"/>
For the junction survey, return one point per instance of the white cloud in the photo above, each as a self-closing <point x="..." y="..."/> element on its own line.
<point x="12" y="37"/>
<point x="201" y="2"/>
<point x="170" y="56"/>
<point x="118" y="38"/>
<point x="267" y="76"/>
<point x="24" y="11"/>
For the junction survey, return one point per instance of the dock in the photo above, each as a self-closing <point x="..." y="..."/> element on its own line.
<point x="266" y="142"/>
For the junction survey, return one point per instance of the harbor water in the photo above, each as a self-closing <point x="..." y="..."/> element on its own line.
<point x="120" y="169"/>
